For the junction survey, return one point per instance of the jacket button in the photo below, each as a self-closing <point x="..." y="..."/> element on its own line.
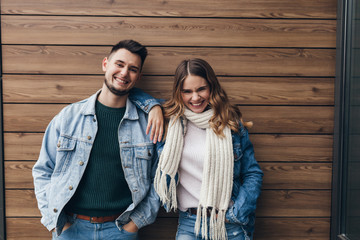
<point x="58" y="145"/>
<point x="89" y="137"/>
<point x="70" y="187"/>
<point x="81" y="163"/>
<point x="55" y="210"/>
<point x="94" y="119"/>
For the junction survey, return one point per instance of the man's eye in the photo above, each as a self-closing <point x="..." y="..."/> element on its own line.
<point x="134" y="70"/>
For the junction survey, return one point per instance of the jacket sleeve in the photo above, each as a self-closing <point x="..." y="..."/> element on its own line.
<point x="151" y="203"/>
<point x="143" y="100"/>
<point x="43" y="169"/>
<point x="250" y="185"/>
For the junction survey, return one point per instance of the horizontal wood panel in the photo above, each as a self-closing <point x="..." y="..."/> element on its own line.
<point x="181" y="8"/>
<point x="267" y="119"/>
<point x="18" y="174"/>
<point x="276" y="175"/>
<point x="240" y="90"/>
<point x="268" y="148"/>
<point x="282" y="147"/>
<point x="292" y="228"/>
<point x="22" y="146"/>
<point x="296" y="175"/>
<point x="294" y="203"/>
<point x="168" y="31"/>
<point x="29" y="117"/>
<point x="272" y="203"/>
<point x="163" y="61"/>
<point x="165" y="229"/>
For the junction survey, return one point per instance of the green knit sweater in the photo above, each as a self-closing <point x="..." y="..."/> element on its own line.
<point x="103" y="190"/>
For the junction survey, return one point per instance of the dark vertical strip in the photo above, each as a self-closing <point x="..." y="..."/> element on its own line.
<point x="339" y="165"/>
<point x="2" y="178"/>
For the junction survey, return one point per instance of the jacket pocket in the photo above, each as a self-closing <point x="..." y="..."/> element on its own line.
<point x="144" y="156"/>
<point x="65" y="148"/>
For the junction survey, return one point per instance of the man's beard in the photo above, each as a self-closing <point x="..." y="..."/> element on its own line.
<point x="116" y="91"/>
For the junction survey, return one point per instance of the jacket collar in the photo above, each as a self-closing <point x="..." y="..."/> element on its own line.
<point x="89" y="107"/>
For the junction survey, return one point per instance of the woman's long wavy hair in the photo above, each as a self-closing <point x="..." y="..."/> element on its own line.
<point x="225" y="114"/>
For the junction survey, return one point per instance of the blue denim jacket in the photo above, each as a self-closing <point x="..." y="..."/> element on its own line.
<point x="247" y="182"/>
<point x="65" y="152"/>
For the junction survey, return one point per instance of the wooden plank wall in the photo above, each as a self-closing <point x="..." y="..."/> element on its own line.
<point x="275" y="58"/>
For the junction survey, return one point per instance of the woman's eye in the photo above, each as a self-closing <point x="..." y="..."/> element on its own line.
<point x="186" y="91"/>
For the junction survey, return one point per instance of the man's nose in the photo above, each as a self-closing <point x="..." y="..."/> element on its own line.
<point x="124" y="71"/>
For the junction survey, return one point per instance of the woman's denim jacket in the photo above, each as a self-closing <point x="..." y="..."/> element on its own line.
<point x="247" y="183"/>
<point x="65" y="153"/>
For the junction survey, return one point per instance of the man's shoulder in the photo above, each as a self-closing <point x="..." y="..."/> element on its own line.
<point x="74" y="108"/>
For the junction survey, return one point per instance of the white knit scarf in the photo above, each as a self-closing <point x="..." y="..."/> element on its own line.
<point x="217" y="177"/>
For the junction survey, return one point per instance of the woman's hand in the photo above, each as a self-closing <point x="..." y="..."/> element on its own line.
<point x="130" y="227"/>
<point x="156" y="124"/>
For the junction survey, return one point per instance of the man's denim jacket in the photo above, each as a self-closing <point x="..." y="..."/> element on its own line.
<point x="65" y="152"/>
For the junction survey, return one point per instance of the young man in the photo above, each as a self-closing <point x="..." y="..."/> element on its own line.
<point x="93" y="178"/>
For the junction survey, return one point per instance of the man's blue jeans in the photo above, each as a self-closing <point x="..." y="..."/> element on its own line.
<point x="186" y="230"/>
<point x="84" y="230"/>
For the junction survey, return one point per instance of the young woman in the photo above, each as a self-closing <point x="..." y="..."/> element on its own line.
<point x="207" y="168"/>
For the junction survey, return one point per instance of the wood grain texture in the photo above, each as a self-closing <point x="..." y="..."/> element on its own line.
<point x="179" y="8"/>
<point x="18" y="174"/>
<point x="66" y="30"/>
<point x="165" y="228"/>
<point x="163" y="61"/>
<point x="29" y="117"/>
<point x="294" y="203"/>
<point x="292" y="228"/>
<point x="22" y="146"/>
<point x="272" y="203"/>
<point x="276" y="175"/>
<point x="293" y="148"/>
<point x="267" y="119"/>
<point x="296" y="175"/>
<point x="240" y="90"/>
<point x="268" y="147"/>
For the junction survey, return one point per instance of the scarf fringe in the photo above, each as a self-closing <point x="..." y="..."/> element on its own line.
<point x="217" y="229"/>
<point x="167" y="193"/>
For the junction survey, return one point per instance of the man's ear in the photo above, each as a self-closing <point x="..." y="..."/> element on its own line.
<point x="104" y="64"/>
<point x="139" y="77"/>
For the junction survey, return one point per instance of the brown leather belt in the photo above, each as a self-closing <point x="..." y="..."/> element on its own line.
<point x="96" y="219"/>
<point x="193" y="211"/>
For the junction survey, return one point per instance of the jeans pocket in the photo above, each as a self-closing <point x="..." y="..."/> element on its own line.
<point x="127" y="233"/>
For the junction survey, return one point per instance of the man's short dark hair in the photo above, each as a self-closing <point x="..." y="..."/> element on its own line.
<point x="133" y="47"/>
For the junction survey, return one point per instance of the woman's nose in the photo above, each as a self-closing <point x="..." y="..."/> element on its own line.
<point x="195" y="96"/>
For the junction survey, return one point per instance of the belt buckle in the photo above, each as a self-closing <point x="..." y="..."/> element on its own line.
<point x="92" y="220"/>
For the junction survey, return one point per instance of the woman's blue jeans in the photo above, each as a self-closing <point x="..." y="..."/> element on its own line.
<point x="186" y="230"/>
<point x="84" y="230"/>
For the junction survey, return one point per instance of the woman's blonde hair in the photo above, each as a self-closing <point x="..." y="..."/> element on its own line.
<point x="225" y="114"/>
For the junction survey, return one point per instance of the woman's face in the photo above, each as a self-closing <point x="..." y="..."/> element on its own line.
<point x="195" y="93"/>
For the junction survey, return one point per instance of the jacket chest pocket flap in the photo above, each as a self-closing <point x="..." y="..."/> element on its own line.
<point x="65" y="148"/>
<point x="144" y="155"/>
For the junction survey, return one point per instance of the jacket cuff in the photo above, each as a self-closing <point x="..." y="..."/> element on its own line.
<point x="231" y="217"/>
<point x="139" y="221"/>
